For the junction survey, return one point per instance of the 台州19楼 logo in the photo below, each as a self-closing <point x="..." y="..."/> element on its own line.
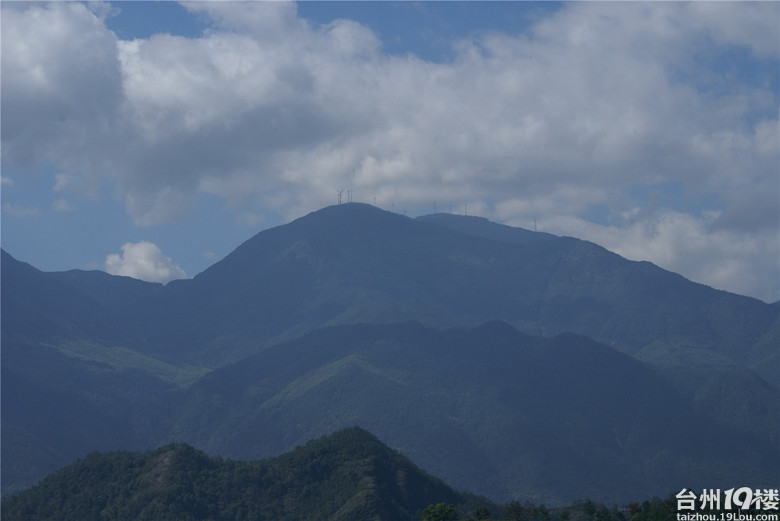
<point x="734" y="504"/>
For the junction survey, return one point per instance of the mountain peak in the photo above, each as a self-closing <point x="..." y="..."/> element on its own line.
<point x="349" y="218"/>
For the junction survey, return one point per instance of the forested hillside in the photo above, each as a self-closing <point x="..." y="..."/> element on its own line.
<point x="348" y="476"/>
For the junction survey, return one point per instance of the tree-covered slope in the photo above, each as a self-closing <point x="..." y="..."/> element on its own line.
<point x="488" y="409"/>
<point x="349" y="475"/>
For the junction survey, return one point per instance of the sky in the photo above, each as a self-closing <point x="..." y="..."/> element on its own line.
<point x="150" y="139"/>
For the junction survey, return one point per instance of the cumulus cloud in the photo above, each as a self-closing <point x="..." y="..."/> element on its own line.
<point x="591" y="105"/>
<point x="143" y="260"/>
<point x="62" y="86"/>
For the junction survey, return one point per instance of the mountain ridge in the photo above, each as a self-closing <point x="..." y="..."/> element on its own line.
<point x="355" y="262"/>
<point x="138" y="358"/>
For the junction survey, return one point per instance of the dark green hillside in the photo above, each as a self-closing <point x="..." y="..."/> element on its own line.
<point x="489" y="409"/>
<point x="350" y="475"/>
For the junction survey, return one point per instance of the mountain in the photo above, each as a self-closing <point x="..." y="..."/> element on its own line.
<point x="40" y="307"/>
<point x="73" y="380"/>
<point x="349" y="475"/>
<point x="661" y="309"/>
<point x="491" y="410"/>
<point x="97" y="362"/>
<point x="355" y="263"/>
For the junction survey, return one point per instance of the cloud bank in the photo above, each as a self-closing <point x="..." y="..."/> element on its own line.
<point x="143" y="260"/>
<point x="651" y="128"/>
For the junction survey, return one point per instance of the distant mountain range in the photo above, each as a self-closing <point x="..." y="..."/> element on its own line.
<point x="511" y="363"/>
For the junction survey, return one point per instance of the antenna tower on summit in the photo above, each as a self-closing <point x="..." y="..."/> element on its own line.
<point x="339" y="192"/>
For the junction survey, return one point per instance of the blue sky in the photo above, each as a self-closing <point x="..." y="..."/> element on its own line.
<point x="151" y="138"/>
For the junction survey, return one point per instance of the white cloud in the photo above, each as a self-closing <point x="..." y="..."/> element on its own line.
<point x="749" y="25"/>
<point x="143" y="260"/>
<point x="61" y="205"/>
<point x="265" y="21"/>
<point x="62" y="85"/>
<point x="6" y="181"/>
<point x="62" y="181"/>
<point x="595" y="103"/>
<point x="250" y="219"/>
<point x="20" y="211"/>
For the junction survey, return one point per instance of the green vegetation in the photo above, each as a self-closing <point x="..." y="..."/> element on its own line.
<point x="122" y="358"/>
<point x="440" y="512"/>
<point x="347" y="476"/>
